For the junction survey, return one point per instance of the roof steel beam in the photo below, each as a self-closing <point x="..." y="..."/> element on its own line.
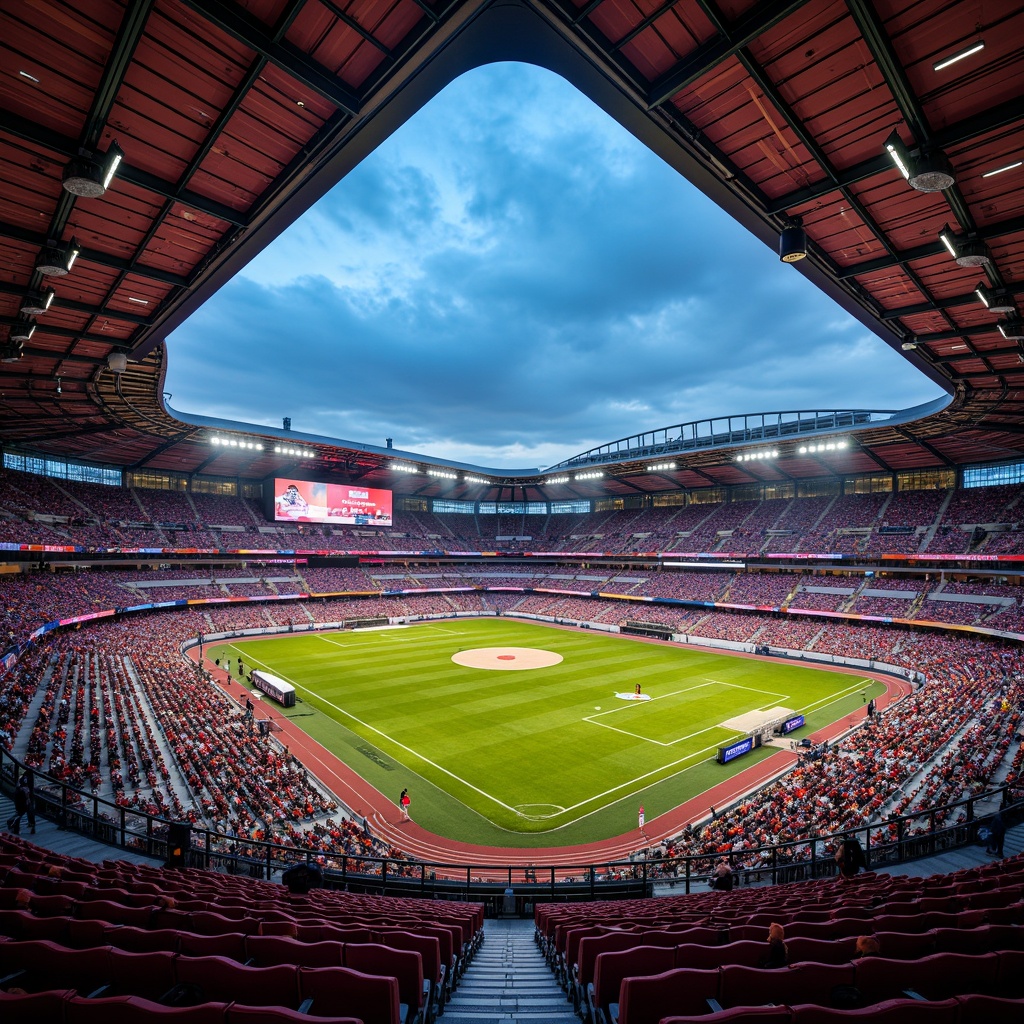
<point x="240" y="25"/>
<point x="79" y="307"/>
<point x="95" y="256"/>
<point x="986" y="233"/>
<point x="64" y="146"/>
<point x="744" y="30"/>
<point x="956" y="134"/>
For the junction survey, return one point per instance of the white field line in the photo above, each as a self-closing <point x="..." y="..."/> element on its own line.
<point x="647" y="739"/>
<point x="696" y="756"/>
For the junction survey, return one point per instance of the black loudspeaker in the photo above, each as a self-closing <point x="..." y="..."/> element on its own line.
<point x="179" y="843"/>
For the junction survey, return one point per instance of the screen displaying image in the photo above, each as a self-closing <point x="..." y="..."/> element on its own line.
<point x="309" y="501"/>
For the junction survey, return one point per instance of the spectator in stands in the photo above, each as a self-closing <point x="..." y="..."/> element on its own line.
<point x="723" y="879"/>
<point x="849" y="857"/>
<point x="997" y="833"/>
<point x="778" y="953"/>
<point x="23" y="804"/>
<point x="867" y="945"/>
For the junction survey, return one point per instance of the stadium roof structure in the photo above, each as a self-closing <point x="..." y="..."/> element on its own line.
<point x="235" y="117"/>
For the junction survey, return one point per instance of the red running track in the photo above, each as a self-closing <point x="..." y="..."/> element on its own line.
<point x="417" y="842"/>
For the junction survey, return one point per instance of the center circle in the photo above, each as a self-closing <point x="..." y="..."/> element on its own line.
<point x="507" y="659"/>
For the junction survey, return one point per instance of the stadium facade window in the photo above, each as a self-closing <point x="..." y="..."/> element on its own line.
<point x="779" y="491"/>
<point x="664" y="500"/>
<point x="450" y="505"/>
<point x="221" y="486"/>
<point x="990" y="476"/>
<point x="523" y="508"/>
<point x="64" y="469"/>
<point x="251" y="489"/>
<point x="413" y="505"/>
<point x="147" y="480"/>
<point x="868" y="483"/>
<point x="926" y="480"/>
<point x="488" y="508"/>
<point x="820" y="488"/>
<point x="609" y="505"/>
<point x="562" y="507"/>
<point x="707" y="496"/>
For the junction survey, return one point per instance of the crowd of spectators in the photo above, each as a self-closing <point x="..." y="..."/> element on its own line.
<point x="95" y="516"/>
<point x="113" y="691"/>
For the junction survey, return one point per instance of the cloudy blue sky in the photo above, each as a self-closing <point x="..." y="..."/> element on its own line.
<point x="511" y="279"/>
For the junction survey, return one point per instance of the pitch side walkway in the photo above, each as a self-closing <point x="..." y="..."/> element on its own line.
<point x="416" y="841"/>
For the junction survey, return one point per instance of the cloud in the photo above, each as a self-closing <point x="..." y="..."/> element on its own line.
<point x="511" y="279"/>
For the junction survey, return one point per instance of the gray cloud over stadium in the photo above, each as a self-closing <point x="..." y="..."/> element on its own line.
<point x="510" y="279"/>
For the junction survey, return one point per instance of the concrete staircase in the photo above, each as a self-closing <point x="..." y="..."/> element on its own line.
<point x="509" y="980"/>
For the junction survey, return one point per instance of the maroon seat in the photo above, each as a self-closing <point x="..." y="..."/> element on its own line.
<point x="266" y="950"/>
<point x="219" y="979"/>
<point x="240" y="1014"/>
<point x="114" y="913"/>
<point x="23" y="924"/>
<point x="905" y="945"/>
<point x="133" y="1009"/>
<point x="743" y="951"/>
<point x="647" y="1000"/>
<point x="429" y="949"/>
<point x="738" y="1013"/>
<point x="403" y="964"/>
<point x="229" y="944"/>
<point x="35" y="1007"/>
<point x="612" y="967"/>
<point x="49" y="965"/>
<point x="150" y="975"/>
<point x="895" y="1011"/>
<point x="983" y="1009"/>
<point x="143" y="940"/>
<point x="804" y="982"/>
<point x="942" y="975"/>
<point x="592" y="946"/>
<point x="339" y="991"/>
<point x="820" y="951"/>
<point x="206" y="922"/>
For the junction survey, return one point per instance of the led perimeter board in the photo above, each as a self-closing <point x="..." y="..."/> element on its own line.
<point x="311" y="501"/>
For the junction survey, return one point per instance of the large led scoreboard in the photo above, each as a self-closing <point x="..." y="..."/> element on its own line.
<point x="313" y="501"/>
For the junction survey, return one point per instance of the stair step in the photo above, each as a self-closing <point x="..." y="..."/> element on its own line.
<point x="509" y="980"/>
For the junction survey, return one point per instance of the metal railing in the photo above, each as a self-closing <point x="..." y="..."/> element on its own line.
<point x="909" y="837"/>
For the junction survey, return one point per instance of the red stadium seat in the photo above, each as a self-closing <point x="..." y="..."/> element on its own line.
<point x="647" y="1000"/>
<point x="338" y="991"/>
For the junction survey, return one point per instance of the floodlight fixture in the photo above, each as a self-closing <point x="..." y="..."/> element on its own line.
<point x="37" y="303"/>
<point x="973" y="252"/>
<point x="909" y="345"/>
<point x="932" y="172"/>
<point x="22" y="330"/>
<point x="88" y="175"/>
<point x="117" y="362"/>
<point x="968" y="252"/>
<point x="1012" y="328"/>
<point x="959" y="55"/>
<point x="11" y="351"/>
<point x="54" y="261"/>
<point x="995" y="302"/>
<point x="793" y="241"/>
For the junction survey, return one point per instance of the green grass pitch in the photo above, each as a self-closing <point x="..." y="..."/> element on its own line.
<point x="537" y="757"/>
